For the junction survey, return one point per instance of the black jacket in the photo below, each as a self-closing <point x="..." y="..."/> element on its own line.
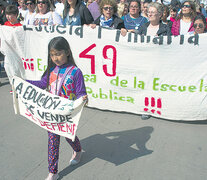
<point x="85" y="15"/>
<point x="163" y="30"/>
<point x="118" y="23"/>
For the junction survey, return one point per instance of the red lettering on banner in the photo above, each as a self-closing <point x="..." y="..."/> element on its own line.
<point x="70" y="128"/>
<point x="41" y="123"/>
<point x="84" y="54"/>
<point x="30" y="115"/>
<point x="105" y="49"/>
<point x="61" y="126"/>
<point x="73" y="129"/>
<point x="28" y="64"/>
<point x="47" y="124"/>
<point x="53" y="125"/>
<point x="153" y="105"/>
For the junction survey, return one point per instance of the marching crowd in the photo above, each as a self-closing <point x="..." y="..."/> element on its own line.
<point x="145" y="17"/>
<point x="148" y="17"/>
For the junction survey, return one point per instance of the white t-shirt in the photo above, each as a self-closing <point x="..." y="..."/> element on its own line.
<point x="50" y="18"/>
<point x="152" y="31"/>
<point x="59" y="7"/>
<point x="184" y="27"/>
<point x="23" y="12"/>
<point x="29" y="18"/>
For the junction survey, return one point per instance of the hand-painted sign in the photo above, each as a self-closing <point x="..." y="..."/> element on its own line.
<point x="51" y="112"/>
<point x="164" y="77"/>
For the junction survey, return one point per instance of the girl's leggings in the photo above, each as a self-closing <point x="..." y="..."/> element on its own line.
<point x="53" y="150"/>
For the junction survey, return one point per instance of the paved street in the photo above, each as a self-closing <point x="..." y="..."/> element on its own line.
<point x="117" y="146"/>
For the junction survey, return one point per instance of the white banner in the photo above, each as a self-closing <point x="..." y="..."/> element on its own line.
<point x="164" y="77"/>
<point x="53" y="113"/>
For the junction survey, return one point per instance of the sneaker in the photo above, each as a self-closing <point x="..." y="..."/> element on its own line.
<point x="75" y="159"/>
<point x="52" y="176"/>
<point x="145" y="117"/>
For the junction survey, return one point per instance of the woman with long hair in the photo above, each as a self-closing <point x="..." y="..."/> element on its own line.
<point x="184" y="22"/>
<point x="45" y="14"/>
<point x="76" y="13"/>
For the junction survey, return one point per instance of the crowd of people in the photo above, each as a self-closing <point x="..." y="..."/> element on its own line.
<point x="147" y="17"/>
<point x="144" y="17"/>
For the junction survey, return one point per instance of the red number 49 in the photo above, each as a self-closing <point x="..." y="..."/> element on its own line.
<point x="84" y="54"/>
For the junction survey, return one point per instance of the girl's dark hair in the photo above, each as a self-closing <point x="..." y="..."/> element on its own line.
<point x="67" y="7"/>
<point x="58" y="43"/>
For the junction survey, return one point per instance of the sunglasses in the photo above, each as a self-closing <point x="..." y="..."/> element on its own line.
<point x="41" y="2"/>
<point x="29" y="4"/>
<point x="186" y="6"/>
<point x="199" y="25"/>
<point x="133" y="7"/>
<point x="108" y="8"/>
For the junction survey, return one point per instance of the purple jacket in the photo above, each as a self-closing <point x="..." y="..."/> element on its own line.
<point x="176" y="28"/>
<point x="78" y="81"/>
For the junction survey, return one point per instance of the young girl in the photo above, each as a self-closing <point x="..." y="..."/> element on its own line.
<point x="62" y="78"/>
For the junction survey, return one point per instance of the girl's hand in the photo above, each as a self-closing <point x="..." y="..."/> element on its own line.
<point x="85" y="98"/>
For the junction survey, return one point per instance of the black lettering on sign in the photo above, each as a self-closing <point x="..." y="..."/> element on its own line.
<point x="19" y="88"/>
<point x="193" y="39"/>
<point x="59" y="29"/>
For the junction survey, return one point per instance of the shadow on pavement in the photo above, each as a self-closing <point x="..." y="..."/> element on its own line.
<point x="114" y="147"/>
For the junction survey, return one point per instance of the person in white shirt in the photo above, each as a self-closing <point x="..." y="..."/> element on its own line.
<point x="22" y="10"/>
<point x="59" y="7"/>
<point x="184" y="22"/>
<point x="154" y="27"/>
<point x="45" y="14"/>
<point x="29" y="16"/>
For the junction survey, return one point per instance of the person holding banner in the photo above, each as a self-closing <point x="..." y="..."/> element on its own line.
<point x="62" y="77"/>
<point x="199" y="24"/>
<point x="11" y="15"/>
<point x="45" y="14"/>
<point x="133" y="20"/>
<point x="155" y="27"/>
<point x="184" y="22"/>
<point x="28" y="19"/>
<point x="76" y="13"/>
<point x="108" y="19"/>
